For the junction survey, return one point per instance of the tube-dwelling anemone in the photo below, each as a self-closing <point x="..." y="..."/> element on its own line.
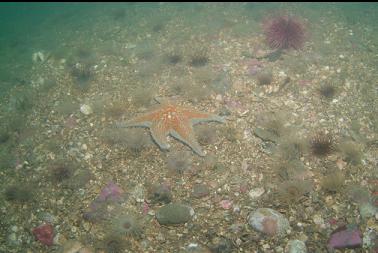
<point x="113" y="243"/>
<point x="333" y="181"/>
<point x="206" y="135"/>
<point x="126" y="225"/>
<point x="291" y="191"/>
<point x="62" y="171"/>
<point x="179" y="161"/>
<point x="351" y="152"/>
<point x="284" y="32"/>
<point x="173" y="58"/>
<point x="264" y="78"/>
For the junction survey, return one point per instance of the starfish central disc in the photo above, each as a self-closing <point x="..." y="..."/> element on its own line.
<point x="174" y="120"/>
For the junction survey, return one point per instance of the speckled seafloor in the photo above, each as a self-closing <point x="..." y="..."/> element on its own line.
<point x="110" y="65"/>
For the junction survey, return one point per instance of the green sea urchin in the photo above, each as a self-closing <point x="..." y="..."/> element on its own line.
<point x="321" y="144"/>
<point x="327" y="91"/>
<point x="19" y="193"/>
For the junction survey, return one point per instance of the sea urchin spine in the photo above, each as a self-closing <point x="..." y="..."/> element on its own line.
<point x="284" y="32"/>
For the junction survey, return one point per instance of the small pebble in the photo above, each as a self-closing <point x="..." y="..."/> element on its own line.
<point x="86" y="109"/>
<point x="221" y="244"/>
<point x="226" y="204"/>
<point x="367" y="210"/>
<point x="196" y="248"/>
<point x="370" y="239"/>
<point x="200" y="190"/>
<point x="296" y="246"/>
<point x="12" y="239"/>
<point x="75" y="247"/>
<point x="256" y="193"/>
<point x="138" y="193"/>
<point x="318" y="220"/>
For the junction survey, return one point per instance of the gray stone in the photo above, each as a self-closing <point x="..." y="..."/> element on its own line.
<point x="200" y="190"/>
<point x="296" y="246"/>
<point x="370" y="238"/>
<point x="265" y="135"/>
<point x="367" y="210"/>
<point x="269" y="222"/>
<point x="173" y="214"/>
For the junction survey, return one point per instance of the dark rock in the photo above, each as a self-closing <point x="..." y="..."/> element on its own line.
<point x="348" y="236"/>
<point x="44" y="234"/>
<point x="200" y="191"/>
<point x="221" y="245"/>
<point x="265" y="135"/>
<point x="160" y="194"/>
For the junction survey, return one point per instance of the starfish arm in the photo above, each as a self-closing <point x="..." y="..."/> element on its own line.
<point x="125" y="124"/>
<point x="197" y="117"/>
<point x="212" y="118"/>
<point x="159" y="133"/>
<point x="144" y="120"/>
<point x="185" y="134"/>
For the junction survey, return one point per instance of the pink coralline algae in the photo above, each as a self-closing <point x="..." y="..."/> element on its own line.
<point x="145" y="208"/>
<point x="45" y="234"/>
<point x="226" y="204"/>
<point x="110" y="194"/>
<point x="235" y="105"/>
<point x="345" y="237"/>
<point x="70" y="122"/>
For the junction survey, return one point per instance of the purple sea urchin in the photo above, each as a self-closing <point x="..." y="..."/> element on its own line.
<point x="284" y="32"/>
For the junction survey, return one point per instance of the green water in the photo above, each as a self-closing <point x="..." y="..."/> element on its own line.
<point x="29" y="27"/>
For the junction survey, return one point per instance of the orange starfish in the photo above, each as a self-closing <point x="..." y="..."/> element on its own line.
<point x="174" y="120"/>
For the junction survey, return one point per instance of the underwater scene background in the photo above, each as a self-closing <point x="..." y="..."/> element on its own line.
<point x="188" y="127"/>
